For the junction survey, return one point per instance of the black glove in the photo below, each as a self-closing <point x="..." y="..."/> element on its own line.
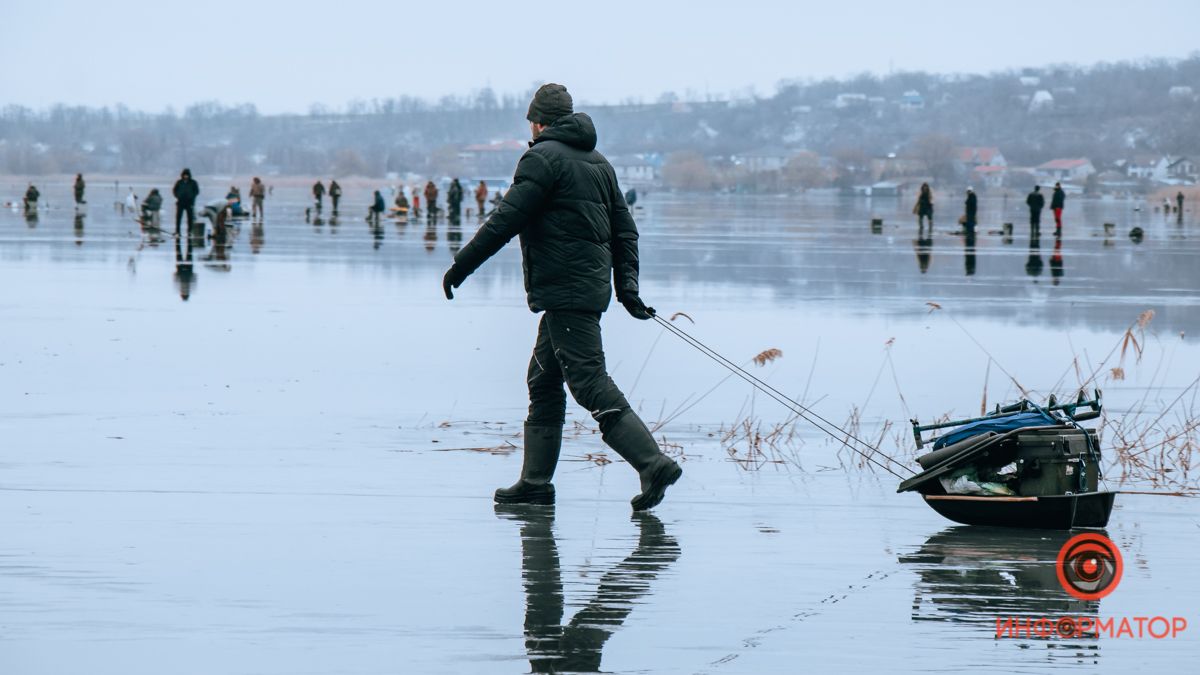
<point x="636" y="308"/>
<point x="453" y="278"/>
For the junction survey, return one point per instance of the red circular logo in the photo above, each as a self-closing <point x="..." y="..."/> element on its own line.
<point x="1089" y="566"/>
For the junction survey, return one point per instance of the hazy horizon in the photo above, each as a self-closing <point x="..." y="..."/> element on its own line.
<point x="120" y="53"/>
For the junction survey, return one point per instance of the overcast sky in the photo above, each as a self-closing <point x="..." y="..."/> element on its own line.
<point x="285" y="56"/>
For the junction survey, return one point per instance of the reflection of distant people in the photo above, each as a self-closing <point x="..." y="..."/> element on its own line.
<point x="924" y="206"/>
<point x="481" y="195"/>
<point x="31" y="197"/>
<point x="186" y="190"/>
<point x="430" y="237"/>
<point x="972" y="207"/>
<point x="335" y="195"/>
<point x="318" y="192"/>
<point x="1034" y="263"/>
<point x="1056" y="262"/>
<point x="256" y="237"/>
<point x="185" y="277"/>
<point x="969" y="249"/>
<point x="79" y="188"/>
<point x="257" y="192"/>
<point x="79" y="228"/>
<point x="578" y="645"/>
<point x="1058" y="200"/>
<point x="1036" y="202"/>
<point x="923" y="245"/>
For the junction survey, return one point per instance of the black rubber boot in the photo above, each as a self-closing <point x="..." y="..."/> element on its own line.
<point x="541" y="456"/>
<point x="634" y="442"/>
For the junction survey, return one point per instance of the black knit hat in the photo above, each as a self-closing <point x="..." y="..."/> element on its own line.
<point x="550" y="103"/>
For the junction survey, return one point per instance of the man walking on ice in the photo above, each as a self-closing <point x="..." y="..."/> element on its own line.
<point x="577" y="239"/>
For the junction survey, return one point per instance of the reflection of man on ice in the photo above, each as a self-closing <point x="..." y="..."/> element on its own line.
<point x="576" y="237"/>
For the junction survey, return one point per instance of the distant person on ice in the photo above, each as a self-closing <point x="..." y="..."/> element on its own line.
<point x="431" y="195"/>
<point x="150" y="208"/>
<point x="257" y="192"/>
<point x="401" y="202"/>
<point x="1058" y="199"/>
<point x="79" y="188"/>
<point x="577" y="237"/>
<point x="186" y="190"/>
<point x="481" y="195"/>
<point x="1179" y="205"/>
<point x="1036" y="203"/>
<point x="454" y="197"/>
<point x="335" y="195"/>
<point x="972" y="209"/>
<point x="924" y="206"/>
<point x="378" y="206"/>
<point x="318" y="191"/>
<point x="31" y="198"/>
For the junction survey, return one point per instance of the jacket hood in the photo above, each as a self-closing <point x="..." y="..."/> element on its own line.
<point x="576" y="130"/>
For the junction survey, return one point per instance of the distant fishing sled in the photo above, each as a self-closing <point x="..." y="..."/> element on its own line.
<point x="1023" y="465"/>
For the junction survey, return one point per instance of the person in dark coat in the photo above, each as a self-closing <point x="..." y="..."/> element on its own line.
<point x="1057" y="200"/>
<point x="1179" y="206"/>
<point x="577" y="240"/>
<point x="971" y="208"/>
<point x="186" y="190"/>
<point x="1036" y="202"/>
<point x="454" y="197"/>
<point x="378" y="206"/>
<point x="924" y="206"/>
<point x="31" y="198"/>
<point x="318" y="192"/>
<point x="79" y="188"/>
<point x="335" y="195"/>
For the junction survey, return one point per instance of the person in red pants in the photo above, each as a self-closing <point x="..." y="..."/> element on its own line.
<point x="1056" y="205"/>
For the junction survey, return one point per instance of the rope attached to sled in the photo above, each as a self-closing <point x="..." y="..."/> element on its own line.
<point x="842" y="436"/>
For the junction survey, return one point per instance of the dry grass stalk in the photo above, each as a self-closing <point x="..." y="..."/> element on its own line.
<point x="767" y="356"/>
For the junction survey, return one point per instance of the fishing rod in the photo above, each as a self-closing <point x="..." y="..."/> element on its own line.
<point x="786" y="401"/>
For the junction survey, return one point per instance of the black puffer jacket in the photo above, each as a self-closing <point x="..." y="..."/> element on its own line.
<point x="1058" y="199"/>
<point x="575" y="228"/>
<point x="186" y="191"/>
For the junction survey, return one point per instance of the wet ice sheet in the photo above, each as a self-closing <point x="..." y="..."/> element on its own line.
<point x="260" y="480"/>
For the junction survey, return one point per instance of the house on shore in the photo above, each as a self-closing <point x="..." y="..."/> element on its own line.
<point x="1066" y="169"/>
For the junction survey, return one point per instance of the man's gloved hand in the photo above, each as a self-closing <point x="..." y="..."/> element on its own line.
<point x="453" y="279"/>
<point x="636" y="308"/>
